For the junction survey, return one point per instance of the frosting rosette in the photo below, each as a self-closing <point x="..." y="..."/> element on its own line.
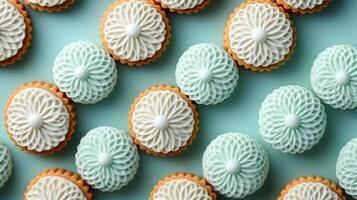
<point x="235" y="165"/>
<point x="135" y="31"/>
<point x="12" y="30"/>
<point x="47" y="3"/>
<point x="207" y="74"/>
<point x="107" y="158"/>
<point x="303" y="4"/>
<point x="260" y="35"/>
<point x="5" y="165"/>
<point x="311" y="191"/>
<point x="183" y="6"/>
<point x="346" y="168"/>
<point x="292" y="119"/>
<point x="334" y="76"/>
<point x="85" y="72"/>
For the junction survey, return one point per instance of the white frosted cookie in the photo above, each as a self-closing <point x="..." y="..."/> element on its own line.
<point x="49" y="5"/>
<point x="135" y="32"/>
<point x="183" y="6"/>
<point x="303" y="6"/>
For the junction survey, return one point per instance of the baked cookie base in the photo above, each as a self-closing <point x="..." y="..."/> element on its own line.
<point x="183" y="175"/>
<point x="140" y="62"/>
<point x="66" y="101"/>
<point x="315" y="179"/>
<point x="74" y="178"/>
<point x="186" y="11"/>
<point x="28" y="34"/>
<point x="190" y="104"/>
<point x="240" y="61"/>
<point x="303" y="11"/>
<point x="57" y="8"/>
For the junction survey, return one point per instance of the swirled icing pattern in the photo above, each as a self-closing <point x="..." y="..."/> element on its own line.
<point x="55" y="188"/>
<point x="207" y="74"/>
<point x="346" y="168"/>
<point x="163" y="121"/>
<point x="334" y="76"/>
<point x="85" y="72"/>
<point x="182" y="4"/>
<point x="311" y="191"/>
<point x="5" y="165"/>
<point x="47" y="3"/>
<point x="37" y="119"/>
<point x="12" y="30"/>
<point x="303" y="4"/>
<point x="134" y="30"/>
<point x="235" y="165"/>
<point x="260" y="34"/>
<point x="107" y="158"/>
<point x="181" y="189"/>
<point x="292" y="119"/>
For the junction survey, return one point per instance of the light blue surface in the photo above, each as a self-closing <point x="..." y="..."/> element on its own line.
<point x="334" y="25"/>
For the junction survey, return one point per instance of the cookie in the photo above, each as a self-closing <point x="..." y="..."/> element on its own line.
<point x="182" y="186"/>
<point x="6" y="165"/>
<point x="163" y="121"/>
<point x="39" y="118"/>
<point x="183" y="6"/>
<point x="346" y="168"/>
<point x="207" y="74"/>
<point x="292" y="119"/>
<point x="15" y="31"/>
<point x="235" y="165"/>
<point x="49" y="5"/>
<point x="334" y="76"/>
<point x="303" y="6"/>
<point x="260" y="35"/>
<point x="107" y="158"/>
<point x="311" y="187"/>
<point x="85" y="72"/>
<point x="53" y="184"/>
<point x="135" y="32"/>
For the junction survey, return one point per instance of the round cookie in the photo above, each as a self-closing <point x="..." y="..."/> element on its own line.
<point x="311" y="188"/>
<point x="55" y="184"/>
<point x="107" y="158"/>
<point x="85" y="72"/>
<point x="182" y="186"/>
<point x="49" y="5"/>
<point x="235" y="165"/>
<point x="303" y="6"/>
<point x="163" y="121"/>
<point x="334" y="76"/>
<point x="39" y="118"/>
<point x="292" y="119"/>
<point x="183" y="6"/>
<point x="135" y="32"/>
<point x="346" y="168"/>
<point x="259" y="35"/>
<point x="207" y="74"/>
<point x="5" y="164"/>
<point x="15" y="31"/>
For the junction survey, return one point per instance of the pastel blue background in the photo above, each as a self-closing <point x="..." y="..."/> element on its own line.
<point x="334" y="25"/>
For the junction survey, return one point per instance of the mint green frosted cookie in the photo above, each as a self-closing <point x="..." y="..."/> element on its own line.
<point x="235" y="165"/>
<point x="85" y="72"/>
<point x="207" y="74"/>
<point x="5" y="165"/>
<point x="346" y="168"/>
<point x="334" y="76"/>
<point x="292" y="119"/>
<point x="107" y="158"/>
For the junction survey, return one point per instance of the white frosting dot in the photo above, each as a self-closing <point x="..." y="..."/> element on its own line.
<point x="259" y="35"/>
<point x="205" y="75"/>
<point x="35" y="121"/>
<point x="161" y="122"/>
<point x="104" y="159"/>
<point x="133" y="31"/>
<point x="81" y="73"/>
<point x="292" y="121"/>
<point x="342" y="78"/>
<point x="232" y="166"/>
